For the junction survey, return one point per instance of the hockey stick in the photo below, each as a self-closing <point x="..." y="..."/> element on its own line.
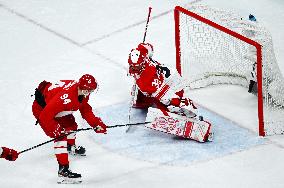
<point x="146" y="28"/>
<point x="86" y="129"/>
<point x="135" y="86"/>
<point x="131" y="104"/>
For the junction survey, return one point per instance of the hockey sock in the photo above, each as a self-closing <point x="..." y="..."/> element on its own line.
<point x="71" y="139"/>
<point x="60" y="149"/>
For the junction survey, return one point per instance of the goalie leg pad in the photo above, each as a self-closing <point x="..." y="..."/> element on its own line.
<point x="198" y="130"/>
<point x="175" y="124"/>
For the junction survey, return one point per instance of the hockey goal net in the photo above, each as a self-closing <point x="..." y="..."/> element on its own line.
<point x="219" y="47"/>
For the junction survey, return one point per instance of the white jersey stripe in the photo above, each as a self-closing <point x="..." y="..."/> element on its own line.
<point x="71" y="136"/>
<point x="64" y="113"/>
<point x="59" y="144"/>
<point x="60" y="150"/>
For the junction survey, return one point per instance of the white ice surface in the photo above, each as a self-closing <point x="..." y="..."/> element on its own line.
<point x="63" y="39"/>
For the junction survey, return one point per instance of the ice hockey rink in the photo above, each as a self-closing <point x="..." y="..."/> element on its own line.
<point x="53" y="40"/>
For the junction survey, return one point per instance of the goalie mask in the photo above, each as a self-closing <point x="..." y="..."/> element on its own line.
<point x="138" y="57"/>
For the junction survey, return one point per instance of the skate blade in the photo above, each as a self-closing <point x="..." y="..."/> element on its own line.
<point x="64" y="180"/>
<point x="75" y="154"/>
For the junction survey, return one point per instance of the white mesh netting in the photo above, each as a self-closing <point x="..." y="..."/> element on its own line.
<point x="211" y="56"/>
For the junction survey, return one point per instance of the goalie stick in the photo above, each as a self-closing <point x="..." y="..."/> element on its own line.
<point x="133" y="97"/>
<point x="146" y="28"/>
<point x="134" y="91"/>
<point x="83" y="129"/>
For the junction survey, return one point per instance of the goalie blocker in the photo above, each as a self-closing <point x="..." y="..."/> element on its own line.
<point x="191" y="128"/>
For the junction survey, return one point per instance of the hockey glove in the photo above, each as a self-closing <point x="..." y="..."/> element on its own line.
<point x="101" y="127"/>
<point x="164" y="70"/>
<point x="9" y="154"/>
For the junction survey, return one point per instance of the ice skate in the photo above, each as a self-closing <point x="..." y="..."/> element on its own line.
<point x="65" y="176"/>
<point x="186" y="111"/>
<point x="76" y="150"/>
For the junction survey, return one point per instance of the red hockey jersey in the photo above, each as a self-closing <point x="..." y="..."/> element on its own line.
<point x="62" y="99"/>
<point x="149" y="81"/>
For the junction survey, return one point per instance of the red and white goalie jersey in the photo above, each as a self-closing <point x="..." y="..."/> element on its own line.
<point x="149" y="81"/>
<point x="155" y="81"/>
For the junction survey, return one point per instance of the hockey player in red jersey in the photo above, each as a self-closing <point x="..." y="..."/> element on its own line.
<point x="53" y="107"/>
<point x="157" y="82"/>
<point x="162" y="87"/>
<point x="8" y="154"/>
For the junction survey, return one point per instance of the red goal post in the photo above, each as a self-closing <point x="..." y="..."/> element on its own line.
<point x="227" y="32"/>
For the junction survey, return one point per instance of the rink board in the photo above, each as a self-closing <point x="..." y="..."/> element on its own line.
<point x="150" y="145"/>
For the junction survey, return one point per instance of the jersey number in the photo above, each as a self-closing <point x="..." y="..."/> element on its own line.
<point x="156" y="83"/>
<point x="65" y="99"/>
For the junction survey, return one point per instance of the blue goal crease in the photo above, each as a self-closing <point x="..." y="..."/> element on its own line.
<point x="153" y="146"/>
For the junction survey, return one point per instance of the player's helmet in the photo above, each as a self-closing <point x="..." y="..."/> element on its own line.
<point x="87" y="82"/>
<point x="138" y="57"/>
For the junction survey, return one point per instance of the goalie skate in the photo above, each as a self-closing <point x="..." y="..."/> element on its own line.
<point x="182" y="126"/>
<point x="182" y="111"/>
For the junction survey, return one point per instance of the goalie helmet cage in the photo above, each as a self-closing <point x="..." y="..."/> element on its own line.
<point x="218" y="47"/>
